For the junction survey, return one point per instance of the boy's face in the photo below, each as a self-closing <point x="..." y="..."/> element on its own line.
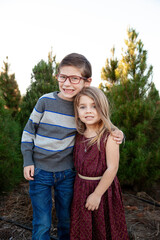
<point x="67" y="89"/>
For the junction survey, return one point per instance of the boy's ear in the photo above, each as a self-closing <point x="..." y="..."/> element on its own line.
<point x="88" y="82"/>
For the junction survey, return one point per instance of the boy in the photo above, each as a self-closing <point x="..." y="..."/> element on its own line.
<point x="47" y="147"/>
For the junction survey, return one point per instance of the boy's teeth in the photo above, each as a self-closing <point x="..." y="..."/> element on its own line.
<point x="68" y="90"/>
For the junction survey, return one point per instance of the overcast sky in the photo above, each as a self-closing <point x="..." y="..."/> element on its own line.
<point x="31" y="28"/>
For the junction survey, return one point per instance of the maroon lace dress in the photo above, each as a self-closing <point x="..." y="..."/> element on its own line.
<point x="108" y="222"/>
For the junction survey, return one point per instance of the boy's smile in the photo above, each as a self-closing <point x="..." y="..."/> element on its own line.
<point x="67" y="89"/>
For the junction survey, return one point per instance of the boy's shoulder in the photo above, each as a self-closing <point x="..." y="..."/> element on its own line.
<point x="51" y="95"/>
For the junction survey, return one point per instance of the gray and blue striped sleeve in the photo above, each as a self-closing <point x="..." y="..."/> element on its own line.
<point x="29" y="133"/>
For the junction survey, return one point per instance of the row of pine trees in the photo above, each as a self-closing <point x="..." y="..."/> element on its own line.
<point x="135" y="109"/>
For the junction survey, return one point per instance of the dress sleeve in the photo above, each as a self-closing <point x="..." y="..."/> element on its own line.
<point x="29" y="133"/>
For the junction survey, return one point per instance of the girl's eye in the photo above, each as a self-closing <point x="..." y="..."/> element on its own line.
<point x="81" y="107"/>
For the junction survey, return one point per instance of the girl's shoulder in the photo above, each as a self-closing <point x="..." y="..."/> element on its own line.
<point x="78" y="136"/>
<point x="105" y="135"/>
<point x="104" y="138"/>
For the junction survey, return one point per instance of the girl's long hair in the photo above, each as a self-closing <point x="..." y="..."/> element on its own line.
<point x="102" y="107"/>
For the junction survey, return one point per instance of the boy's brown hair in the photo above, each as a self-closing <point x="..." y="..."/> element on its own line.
<point x="78" y="61"/>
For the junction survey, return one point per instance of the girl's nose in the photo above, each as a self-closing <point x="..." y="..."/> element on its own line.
<point x="88" y="109"/>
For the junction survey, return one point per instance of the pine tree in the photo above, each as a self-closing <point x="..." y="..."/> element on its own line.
<point x="43" y="81"/>
<point x="108" y="73"/>
<point x="10" y="156"/>
<point x="9" y="89"/>
<point x="136" y="110"/>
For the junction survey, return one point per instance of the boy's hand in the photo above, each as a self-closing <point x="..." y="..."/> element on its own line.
<point x="93" y="201"/>
<point x="117" y="136"/>
<point x="29" y="172"/>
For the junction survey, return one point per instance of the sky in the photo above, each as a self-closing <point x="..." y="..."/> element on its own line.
<point x="30" y="29"/>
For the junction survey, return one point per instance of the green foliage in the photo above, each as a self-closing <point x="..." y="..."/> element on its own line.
<point x="139" y="119"/>
<point x="108" y="72"/>
<point x="10" y="157"/>
<point x="9" y="89"/>
<point x="135" y="105"/>
<point x="43" y="81"/>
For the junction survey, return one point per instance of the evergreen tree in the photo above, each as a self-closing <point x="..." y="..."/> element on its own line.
<point x="9" y="89"/>
<point x="108" y="73"/>
<point x="136" y="110"/>
<point x="10" y="156"/>
<point x="43" y="80"/>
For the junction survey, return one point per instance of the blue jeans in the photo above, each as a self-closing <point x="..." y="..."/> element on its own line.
<point x="41" y="197"/>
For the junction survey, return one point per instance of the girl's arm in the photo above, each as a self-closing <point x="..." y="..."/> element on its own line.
<point x="112" y="155"/>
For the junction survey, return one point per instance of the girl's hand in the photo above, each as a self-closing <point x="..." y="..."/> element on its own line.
<point x="93" y="201"/>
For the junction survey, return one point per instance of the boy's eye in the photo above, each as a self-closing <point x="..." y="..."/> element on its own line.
<point x="62" y="77"/>
<point x="75" y="78"/>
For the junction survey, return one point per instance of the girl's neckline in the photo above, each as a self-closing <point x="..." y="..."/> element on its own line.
<point x="88" y="137"/>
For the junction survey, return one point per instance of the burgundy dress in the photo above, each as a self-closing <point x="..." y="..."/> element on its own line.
<point x="108" y="222"/>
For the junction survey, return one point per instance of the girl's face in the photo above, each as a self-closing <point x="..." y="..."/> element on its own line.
<point x="87" y="111"/>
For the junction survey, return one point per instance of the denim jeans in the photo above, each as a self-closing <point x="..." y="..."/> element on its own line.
<point x="41" y="197"/>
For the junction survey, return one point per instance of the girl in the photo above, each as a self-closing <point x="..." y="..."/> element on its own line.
<point x="97" y="209"/>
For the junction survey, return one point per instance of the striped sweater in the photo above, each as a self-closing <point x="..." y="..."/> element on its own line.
<point x="49" y="135"/>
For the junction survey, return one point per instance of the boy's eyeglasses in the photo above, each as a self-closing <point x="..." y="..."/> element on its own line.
<point x="73" y="78"/>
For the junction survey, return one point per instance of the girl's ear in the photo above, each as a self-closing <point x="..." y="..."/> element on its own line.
<point x="88" y="82"/>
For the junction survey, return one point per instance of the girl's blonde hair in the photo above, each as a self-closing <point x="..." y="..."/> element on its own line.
<point x="102" y="107"/>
